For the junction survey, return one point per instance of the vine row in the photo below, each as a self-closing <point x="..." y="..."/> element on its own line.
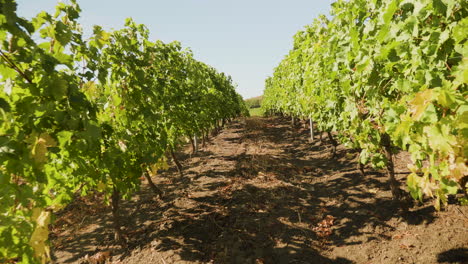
<point x="78" y="115"/>
<point x="384" y="76"/>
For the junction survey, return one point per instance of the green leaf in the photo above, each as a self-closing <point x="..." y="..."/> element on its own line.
<point x="447" y="99"/>
<point x="64" y="138"/>
<point x="460" y="31"/>
<point x="59" y="88"/>
<point x="390" y="11"/>
<point x="63" y="33"/>
<point x="439" y="6"/>
<point x="449" y="186"/>
<point x="430" y="114"/>
<point x="437" y="140"/>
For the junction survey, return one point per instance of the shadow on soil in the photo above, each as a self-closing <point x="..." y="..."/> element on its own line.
<point x="458" y="255"/>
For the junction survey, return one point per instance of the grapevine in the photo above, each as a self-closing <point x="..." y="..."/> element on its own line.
<point x="386" y="76"/>
<point x="80" y="115"/>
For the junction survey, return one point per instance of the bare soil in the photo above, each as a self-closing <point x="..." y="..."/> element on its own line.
<point x="261" y="192"/>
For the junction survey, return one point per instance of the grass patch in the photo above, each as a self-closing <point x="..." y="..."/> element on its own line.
<point x="256" y="111"/>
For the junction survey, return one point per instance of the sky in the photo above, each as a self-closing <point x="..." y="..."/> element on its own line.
<point x="243" y="38"/>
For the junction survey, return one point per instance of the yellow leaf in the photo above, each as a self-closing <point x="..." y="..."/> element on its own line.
<point x="439" y="139"/>
<point x="101" y="186"/>
<point x="41" y="143"/>
<point x="122" y="145"/>
<point x="420" y="102"/>
<point x="160" y="165"/>
<point x="413" y="168"/>
<point x="153" y="170"/>
<point x="41" y="234"/>
<point x="427" y="187"/>
<point x="458" y="168"/>
<point x="164" y="165"/>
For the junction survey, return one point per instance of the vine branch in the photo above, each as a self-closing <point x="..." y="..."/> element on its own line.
<point x="15" y="67"/>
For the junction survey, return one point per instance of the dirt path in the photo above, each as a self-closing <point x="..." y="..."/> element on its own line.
<point x="261" y="193"/>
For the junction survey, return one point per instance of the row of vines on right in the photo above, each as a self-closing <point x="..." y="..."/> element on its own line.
<point x="385" y="76"/>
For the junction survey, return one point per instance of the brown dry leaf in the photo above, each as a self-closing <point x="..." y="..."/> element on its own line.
<point x="323" y="210"/>
<point x="404" y="246"/>
<point x="329" y="220"/>
<point x="323" y="228"/>
<point x="400" y="236"/>
<point x="98" y="258"/>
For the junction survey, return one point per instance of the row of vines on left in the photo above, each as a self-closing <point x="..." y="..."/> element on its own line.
<point x="89" y="114"/>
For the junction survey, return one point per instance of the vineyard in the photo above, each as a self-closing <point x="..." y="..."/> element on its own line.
<point x="119" y="149"/>
<point x="260" y="192"/>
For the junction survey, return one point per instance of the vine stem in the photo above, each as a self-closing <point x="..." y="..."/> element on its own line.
<point x="115" y="198"/>
<point x="153" y="186"/>
<point x="448" y="67"/>
<point x="176" y="161"/>
<point x="15" y="67"/>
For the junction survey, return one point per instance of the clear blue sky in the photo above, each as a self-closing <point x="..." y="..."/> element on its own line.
<point x="243" y="38"/>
